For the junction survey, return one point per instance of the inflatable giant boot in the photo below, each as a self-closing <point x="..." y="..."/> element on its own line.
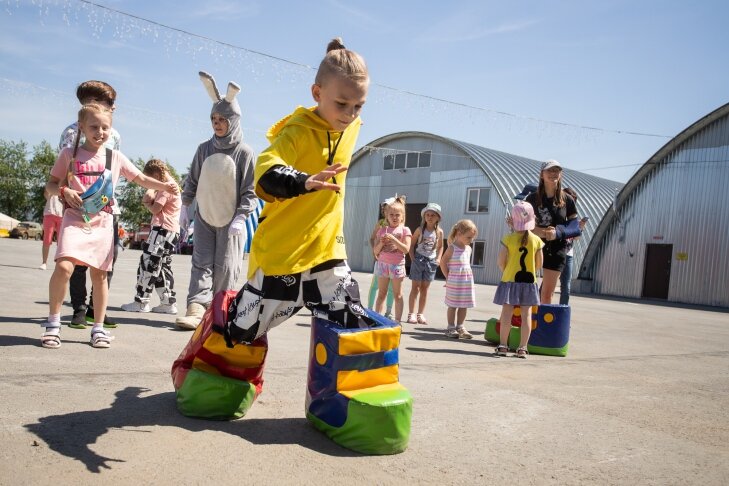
<point x="354" y="395"/>
<point x="550" y="330"/>
<point x="211" y="380"/>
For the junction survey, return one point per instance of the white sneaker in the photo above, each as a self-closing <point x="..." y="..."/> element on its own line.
<point x="165" y="309"/>
<point x="135" y="307"/>
<point x="42" y="266"/>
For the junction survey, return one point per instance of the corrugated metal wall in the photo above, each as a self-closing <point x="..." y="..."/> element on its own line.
<point x="682" y="201"/>
<point x="454" y="167"/>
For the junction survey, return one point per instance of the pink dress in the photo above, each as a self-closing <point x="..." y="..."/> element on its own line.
<point x="93" y="244"/>
<point x="460" y="290"/>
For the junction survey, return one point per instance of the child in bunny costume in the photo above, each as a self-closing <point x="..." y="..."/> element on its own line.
<point x="221" y="181"/>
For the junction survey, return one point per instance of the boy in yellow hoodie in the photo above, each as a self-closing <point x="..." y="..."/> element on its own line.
<point x="298" y="257"/>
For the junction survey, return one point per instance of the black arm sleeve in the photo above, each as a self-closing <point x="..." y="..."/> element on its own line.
<point x="284" y="182"/>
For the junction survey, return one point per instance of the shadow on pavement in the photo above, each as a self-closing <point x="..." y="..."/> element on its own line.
<point x="36" y="321"/>
<point x="73" y="433"/>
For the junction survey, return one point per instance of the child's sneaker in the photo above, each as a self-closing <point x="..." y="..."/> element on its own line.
<point x="43" y="266"/>
<point x="137" y="307"/>
<point x="78" y="321"/>
<point x="463" y="334"/>
<point x="165" y="309"/>
<point x="451" y="332"/>
<point x="411" y="318"/>
<point x="108" y="321"/>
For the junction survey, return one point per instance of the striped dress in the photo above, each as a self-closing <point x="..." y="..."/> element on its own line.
<point x="460" y="291"/>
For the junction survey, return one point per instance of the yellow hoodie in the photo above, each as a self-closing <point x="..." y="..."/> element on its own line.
<point x="299" y="233"/>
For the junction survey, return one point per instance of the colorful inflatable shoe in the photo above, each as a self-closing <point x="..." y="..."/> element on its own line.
<point x="213" y="381"/>
<point x="550" y="330"/>
<point x="354" y="395"/>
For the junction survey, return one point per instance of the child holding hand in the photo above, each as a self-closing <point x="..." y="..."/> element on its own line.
<point x="456" y="267"/>
<point x="155" y="264"/>
<point x="392" y="243"/>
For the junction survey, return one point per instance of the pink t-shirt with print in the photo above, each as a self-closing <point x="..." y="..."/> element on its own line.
<point x="92" y="243"/>
<point x="390" y="253"/>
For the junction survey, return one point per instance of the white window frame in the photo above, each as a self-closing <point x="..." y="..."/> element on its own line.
<point x="478" y="200"/>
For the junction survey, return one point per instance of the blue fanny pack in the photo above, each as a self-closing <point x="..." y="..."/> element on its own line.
<point x="99" y="195"/>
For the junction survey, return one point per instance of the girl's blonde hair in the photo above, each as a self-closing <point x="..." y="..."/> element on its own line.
<point x="83" y="113"/>
<point x="156" y="166"/>
<point x="341" y="61"/>
<point x="398" y="203"/>
<point x="461" y="226"/>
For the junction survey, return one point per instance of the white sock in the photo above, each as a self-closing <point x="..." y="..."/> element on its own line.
<point x="53" y="325"/>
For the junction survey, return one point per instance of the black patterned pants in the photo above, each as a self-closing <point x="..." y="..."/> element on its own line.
<point x="155" y="266"/>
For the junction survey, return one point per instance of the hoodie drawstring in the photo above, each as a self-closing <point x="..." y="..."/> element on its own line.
<point x="332" y="152"/>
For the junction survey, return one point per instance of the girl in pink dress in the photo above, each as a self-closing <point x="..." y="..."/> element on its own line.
<point x="456" y="267"/>
<point x="86" y="238"/>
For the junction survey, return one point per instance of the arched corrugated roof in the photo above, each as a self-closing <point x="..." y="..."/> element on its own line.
<point x="509" y="173"/>
<point x="654" y="163"/>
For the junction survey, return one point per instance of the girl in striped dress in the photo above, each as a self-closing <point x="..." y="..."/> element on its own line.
<point x="456" y="267"/>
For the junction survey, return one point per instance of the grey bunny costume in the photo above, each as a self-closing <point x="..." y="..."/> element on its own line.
<point x="220" y="180"/>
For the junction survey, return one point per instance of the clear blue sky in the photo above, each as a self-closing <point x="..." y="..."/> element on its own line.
<point x="644" y="66"/>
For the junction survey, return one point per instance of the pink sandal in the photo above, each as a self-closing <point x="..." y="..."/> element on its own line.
<point x="421" y="319"/>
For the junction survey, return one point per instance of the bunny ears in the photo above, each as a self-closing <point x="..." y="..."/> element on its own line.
<point x="209" y="82"/>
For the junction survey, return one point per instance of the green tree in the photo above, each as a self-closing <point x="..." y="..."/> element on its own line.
<point x="14" y="168"/>
<point x="40" y="168"/>
<point x="129" y="197"/>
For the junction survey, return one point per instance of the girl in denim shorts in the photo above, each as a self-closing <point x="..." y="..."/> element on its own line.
<point x="391" y="244"/>
<point x="425" y="253"/>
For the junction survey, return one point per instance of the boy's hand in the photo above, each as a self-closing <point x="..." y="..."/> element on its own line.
<point x="318" y="182"/>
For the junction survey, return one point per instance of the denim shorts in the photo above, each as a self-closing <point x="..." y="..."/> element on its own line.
<point x="390" y="270"/>
<point x="423" y="268"/>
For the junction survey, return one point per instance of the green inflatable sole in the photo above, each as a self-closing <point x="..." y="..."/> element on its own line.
<point x="214" y="397"/>
<point x="377" y="423"/>
<point x="514" y="337"/>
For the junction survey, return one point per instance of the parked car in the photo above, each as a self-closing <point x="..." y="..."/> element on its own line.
<point x="138" y="237"/>
<point x="27" y="229"/>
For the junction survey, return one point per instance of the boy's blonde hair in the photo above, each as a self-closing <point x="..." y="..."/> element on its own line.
<point x="343" y="62"/>
<point x="461" y="226"/>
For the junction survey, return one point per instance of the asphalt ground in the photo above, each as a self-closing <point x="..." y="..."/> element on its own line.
<point x="641" y="398"/>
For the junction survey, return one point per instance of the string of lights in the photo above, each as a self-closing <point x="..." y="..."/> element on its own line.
<point x="109" y="15"/>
